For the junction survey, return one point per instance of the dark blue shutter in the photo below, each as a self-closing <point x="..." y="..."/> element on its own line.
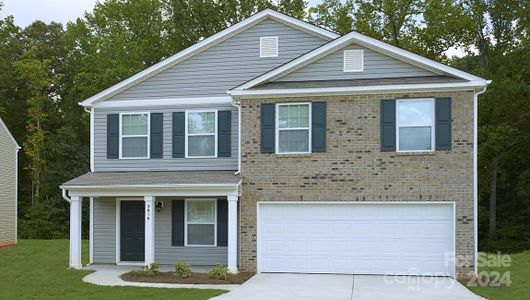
<point x="224" y="134"/>
<point x="388" y="125"/>
<point x="222" y="222"/>
<point x="177" y="223"/>
<point x="318" y="127"/>
<point x="443" y="123"/>
<point x="113" y="136"/>
<point x="179" y="134"/>
<point x="156" y="135"/>
<point x="267" y="128"/>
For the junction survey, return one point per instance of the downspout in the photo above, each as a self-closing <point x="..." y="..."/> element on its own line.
<point x="65" y="196"/>
<point x="237" y="104"/>
<point x="475" y="170"/>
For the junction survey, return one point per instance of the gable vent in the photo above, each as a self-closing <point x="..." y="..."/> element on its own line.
<point x="268" y="46"/>
<point x="353" y="60"/>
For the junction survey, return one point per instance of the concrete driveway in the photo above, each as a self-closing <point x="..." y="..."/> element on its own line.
<point x="348" y="287"/>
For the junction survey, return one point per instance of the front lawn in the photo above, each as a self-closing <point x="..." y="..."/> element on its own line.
<point x="36" y="269"/>
<point x="519" y="275"/>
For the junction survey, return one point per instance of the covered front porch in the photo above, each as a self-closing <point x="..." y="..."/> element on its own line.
<point x="139" y="218"/>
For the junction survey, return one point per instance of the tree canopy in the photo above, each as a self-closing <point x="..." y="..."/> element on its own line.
<point x="46" y="69"/>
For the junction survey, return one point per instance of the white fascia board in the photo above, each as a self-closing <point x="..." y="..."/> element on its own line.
<point x="164" y="102"/>
<point x="468" y="85"/>
<point x="354" y="37"/>
<point x="9" y="134"/>
<point x="154" y="190"/>
<point x="203" y="45"/>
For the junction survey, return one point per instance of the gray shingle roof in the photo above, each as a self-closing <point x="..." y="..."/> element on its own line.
<point x="153" y="178"/>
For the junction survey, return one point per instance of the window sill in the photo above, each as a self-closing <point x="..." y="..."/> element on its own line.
<point x="414" y="153"/>
<point x="292" y="154"/>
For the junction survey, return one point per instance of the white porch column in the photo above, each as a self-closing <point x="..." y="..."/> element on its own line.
<point x="91" y="231"/>
<point x="232" y="233"/>
<point x="75" y="232"/>
<point x="149" y="229"/>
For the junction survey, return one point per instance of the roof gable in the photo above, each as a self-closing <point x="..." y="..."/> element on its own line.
<point x="203" y="45"/>
<point x="362" y="41"/>
<point x="8" y="133"/>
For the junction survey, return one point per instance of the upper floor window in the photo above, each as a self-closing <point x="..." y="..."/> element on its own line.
<point x="201" y="133"/>
<point x="293" y="128"/>
<point x="134" y="135"/>
<point x="415" y="125"/>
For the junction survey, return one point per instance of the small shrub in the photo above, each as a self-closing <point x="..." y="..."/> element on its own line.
<point x="219" y="272"/>
<point x="182" y="270"/>
<point x="148" y="271"/>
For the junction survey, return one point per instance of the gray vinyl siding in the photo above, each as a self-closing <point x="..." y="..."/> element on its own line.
<point x="167" y="163"/>
<point x="376" y="65"/>
<point x="167" y="254"/>
<point x="8" y="182"/>
<point x="225" y="65"/>
<point x="105" y="230"/>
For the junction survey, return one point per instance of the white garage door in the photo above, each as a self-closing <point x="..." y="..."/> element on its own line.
<point x="360" y="238"/>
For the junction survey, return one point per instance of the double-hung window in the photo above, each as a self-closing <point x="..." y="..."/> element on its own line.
<point x="134" y="135"/>
<point x="201" y="133"/>
<point x="415" y="125"/>
<point x="293" y="128"/>
<point x="201" y="221"/>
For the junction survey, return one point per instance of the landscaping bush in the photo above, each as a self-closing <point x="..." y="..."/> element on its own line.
<point x="219" y="272"/>
<point x="182" y="270"/>
<point x="148" y="271"/>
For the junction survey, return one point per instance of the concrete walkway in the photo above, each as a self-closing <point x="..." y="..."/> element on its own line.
<point x="348" y="287"/>
<point x="109" y="275"/>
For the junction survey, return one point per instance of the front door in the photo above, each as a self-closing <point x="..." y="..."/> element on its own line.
<point x="132" y="233"/>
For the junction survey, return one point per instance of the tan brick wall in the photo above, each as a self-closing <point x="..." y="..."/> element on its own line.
<point x="354" y="169"/>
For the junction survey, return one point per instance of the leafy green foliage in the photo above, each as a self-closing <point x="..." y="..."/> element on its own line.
<point x="219" y="272"/>
<point x="182" y="270"/>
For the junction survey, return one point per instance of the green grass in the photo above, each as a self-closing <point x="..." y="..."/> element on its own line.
<point x="37" y="269"/>
<point x="520" y="277"/>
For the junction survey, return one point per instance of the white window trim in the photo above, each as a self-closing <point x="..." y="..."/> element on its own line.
<point x="200" y="134"/>
<point x="432" y="125"/>
<point x="186" y="244"/>
<point x="347" y="70"/>
<point x="277" y="125"/>
<point x="140" y="135"/>
<point x="261" y="47"/>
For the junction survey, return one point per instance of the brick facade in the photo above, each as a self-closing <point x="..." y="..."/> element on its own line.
<point x="354" y="169"/>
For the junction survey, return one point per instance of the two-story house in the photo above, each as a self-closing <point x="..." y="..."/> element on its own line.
<point x="278" y="146"/>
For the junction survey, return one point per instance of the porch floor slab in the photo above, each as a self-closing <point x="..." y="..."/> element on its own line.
<point x="109" y="275"/>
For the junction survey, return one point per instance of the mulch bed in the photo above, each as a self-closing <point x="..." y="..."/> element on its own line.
<point x="196" y="278"/>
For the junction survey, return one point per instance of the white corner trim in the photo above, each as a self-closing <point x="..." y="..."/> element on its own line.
<point x="455" y="86"/>
<point x="164" y="102"/>
<point x="9" y="134"/>
<point x="92" y="145"/>
<point x="354" y="37"/>
<point x="203" y="45"/>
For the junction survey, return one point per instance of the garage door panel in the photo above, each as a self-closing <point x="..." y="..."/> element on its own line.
<point x="355" y="238"/>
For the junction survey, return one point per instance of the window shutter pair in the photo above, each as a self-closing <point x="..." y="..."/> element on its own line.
<point x="113" y="135"/>
<point x="443" y="140"/>
<point x="178" y="223"/>
<point x="224" y="134"/>
<point x="318" y="127"/>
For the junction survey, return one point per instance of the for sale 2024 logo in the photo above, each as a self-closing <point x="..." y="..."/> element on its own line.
<point x="498" y="273"/>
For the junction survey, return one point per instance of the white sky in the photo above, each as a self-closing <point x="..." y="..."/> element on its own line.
<point x="27" y="11"/>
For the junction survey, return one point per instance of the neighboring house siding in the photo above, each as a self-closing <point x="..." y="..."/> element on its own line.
<point x="167" y="163"/>
<point x="225" y="65"/>
<point x="105" y="230"/>
<point x="8" y="182"/>
<point x="167" y="254"/>
<point x="353" y="168"/>
<point x="376" y="65"/>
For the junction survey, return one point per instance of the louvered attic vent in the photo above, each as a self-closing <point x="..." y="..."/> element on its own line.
<point x="268" y="46"/>
<point x="353" y="60"/>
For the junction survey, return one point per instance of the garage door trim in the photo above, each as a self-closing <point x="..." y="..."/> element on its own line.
<point x="258" y="219"/>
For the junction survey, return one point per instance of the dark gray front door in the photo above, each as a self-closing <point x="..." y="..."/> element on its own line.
<point x="132" y="231"/>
